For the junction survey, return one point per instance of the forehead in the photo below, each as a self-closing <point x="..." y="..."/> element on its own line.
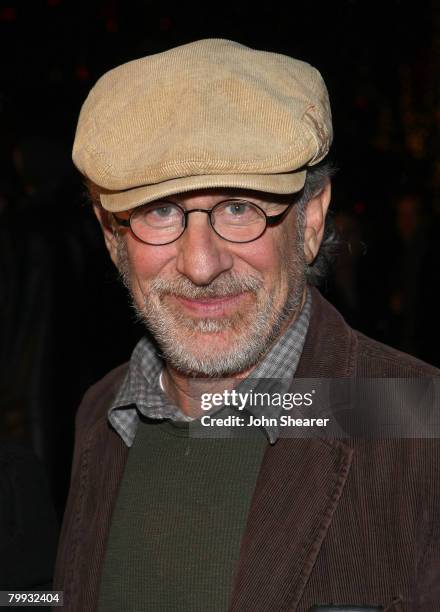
<point x="218" y="194"/>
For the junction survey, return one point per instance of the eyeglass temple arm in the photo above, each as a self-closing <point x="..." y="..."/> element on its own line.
<point x="123" y="222"/>
<point x="274" y="219"/>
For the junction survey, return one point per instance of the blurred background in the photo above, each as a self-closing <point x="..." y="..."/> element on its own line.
<point x="65" y="319"/>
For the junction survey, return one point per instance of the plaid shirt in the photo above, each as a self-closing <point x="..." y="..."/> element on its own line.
<point x="141" y="390"/>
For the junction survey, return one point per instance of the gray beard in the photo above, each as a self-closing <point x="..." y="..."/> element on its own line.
<point x="253" y="337"/>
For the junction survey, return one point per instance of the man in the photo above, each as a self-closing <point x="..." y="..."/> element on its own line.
<point x="205" y="165"/>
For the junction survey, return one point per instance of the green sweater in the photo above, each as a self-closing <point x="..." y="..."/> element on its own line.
<point x="178" y="521"/>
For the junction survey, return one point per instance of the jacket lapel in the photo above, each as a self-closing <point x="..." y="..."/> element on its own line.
<point x="297" y="492"/>
<point x="98" y="471"/>
<point x="298" y="487"/>
<point x="106" y="475"/>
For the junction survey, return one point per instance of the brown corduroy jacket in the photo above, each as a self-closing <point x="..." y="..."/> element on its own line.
<point x="331" y="521"/>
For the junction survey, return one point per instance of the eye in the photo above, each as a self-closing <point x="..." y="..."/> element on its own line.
<point x="237" y="209"/>
<point x="159" y="214"/>
<point x="162" y="211"/>
<point x="234" y="212"/>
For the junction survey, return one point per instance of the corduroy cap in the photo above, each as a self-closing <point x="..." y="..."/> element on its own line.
<point x="212" y="113"/>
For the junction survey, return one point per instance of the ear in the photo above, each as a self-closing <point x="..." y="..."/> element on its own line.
<point x="108" y="229"/>
<point x="315" y="213"/>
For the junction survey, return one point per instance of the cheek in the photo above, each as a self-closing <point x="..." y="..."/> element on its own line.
<point x="147" y="261"/>
<point x="269" y="254"/>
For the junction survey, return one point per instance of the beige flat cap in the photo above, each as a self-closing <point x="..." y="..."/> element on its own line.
<point x="212" y="113"/>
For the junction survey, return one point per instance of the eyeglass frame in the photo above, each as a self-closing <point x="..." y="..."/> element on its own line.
<point x="270" y="220"/>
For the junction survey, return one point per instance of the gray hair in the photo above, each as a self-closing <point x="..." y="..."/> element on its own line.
<point x="316" y="179"/>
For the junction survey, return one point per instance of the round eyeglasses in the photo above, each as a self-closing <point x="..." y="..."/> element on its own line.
<point x="235" y="220"/>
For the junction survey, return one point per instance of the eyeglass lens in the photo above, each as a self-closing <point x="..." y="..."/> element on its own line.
<point x="164" y="222"/>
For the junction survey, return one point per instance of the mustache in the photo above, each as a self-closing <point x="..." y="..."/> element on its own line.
<point x="225" y="285"/>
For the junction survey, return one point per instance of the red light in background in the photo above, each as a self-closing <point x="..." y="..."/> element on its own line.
<point x="82" y="73"/>
<point x="111" y="25"/>
<point x="361" y="102"/>
<point x="359" y="208"/>
<point x="8" y="13"/>
<point x="165" y="24"/>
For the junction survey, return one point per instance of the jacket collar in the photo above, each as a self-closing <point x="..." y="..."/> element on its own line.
<point x="330" y="348"/>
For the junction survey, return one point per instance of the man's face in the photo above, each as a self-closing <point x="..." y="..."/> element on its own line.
<point x="213" y="306"/>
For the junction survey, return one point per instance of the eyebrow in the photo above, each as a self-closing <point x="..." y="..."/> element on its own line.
<point x="224" y="198"/>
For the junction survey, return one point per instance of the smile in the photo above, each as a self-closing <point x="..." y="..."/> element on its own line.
<point x="210" y="307"/>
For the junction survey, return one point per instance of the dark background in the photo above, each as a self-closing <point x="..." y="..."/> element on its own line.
<point x="64" y="317"/>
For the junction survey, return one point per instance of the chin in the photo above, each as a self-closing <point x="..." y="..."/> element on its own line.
<point x="214" y="354"/>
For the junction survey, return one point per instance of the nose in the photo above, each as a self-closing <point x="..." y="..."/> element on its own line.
<point x="202" y="255"/>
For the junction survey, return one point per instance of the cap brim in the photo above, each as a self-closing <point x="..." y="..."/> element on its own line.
<point x="271" y="183"/>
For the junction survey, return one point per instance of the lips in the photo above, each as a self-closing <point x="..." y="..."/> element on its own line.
<point x="211" y="307"/>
